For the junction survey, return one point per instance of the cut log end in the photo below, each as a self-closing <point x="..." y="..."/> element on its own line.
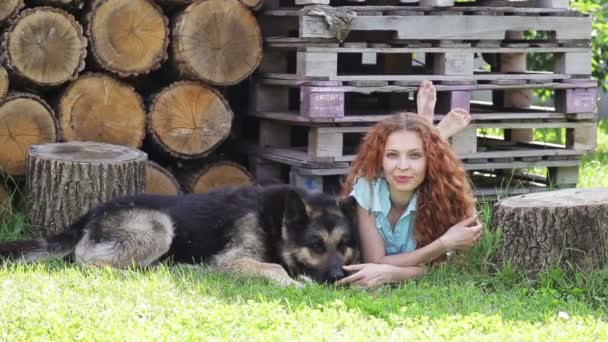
<point x="160" y="181"/>
<point x="24" y="120"/>
<point x="8" y="8"/>
<point x="575" y="197"/>
<point x="128" y="37"/>
<point x="46" y="46"/>
<point x="217" y="41"/>
<point x="253" y="4"/>
<point x="188" y="119"/>
<point x="100" y="108"/>
<point x="220" y="175"/>
<point x="86" y="152"/>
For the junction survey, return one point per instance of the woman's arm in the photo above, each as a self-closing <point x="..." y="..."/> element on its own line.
<point x="460" y="236"/>
<point x="373" y="249"/>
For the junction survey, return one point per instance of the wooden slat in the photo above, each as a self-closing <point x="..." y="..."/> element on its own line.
<point x="390" y="50"/>
<point x="536" y="76"/>
<point x="386" y="9"/>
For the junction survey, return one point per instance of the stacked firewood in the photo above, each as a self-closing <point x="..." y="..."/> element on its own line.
<point x="151" y="75"/>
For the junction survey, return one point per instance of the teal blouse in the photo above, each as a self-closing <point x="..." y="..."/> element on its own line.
<point x="376" y="198"/>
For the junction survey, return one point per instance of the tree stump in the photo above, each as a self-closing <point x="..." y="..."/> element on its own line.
<point x="64" y="180"/>
<point x="128" y="37"/>
<point x="97" y="107"/>
<point x="554" y="228"/>
<point x="215" y="176"/>
<point x="160" y="181"/>
<point x="45" y="46"/>
<point x="8" y="8"/>
<point x="25" y="120"/>
<point x="188" y="120"/>
<point x="216" y="41"/>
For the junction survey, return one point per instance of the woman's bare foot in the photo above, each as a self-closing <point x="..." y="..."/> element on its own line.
<point x="426" y="99"/>
<point x="454" y="122"/>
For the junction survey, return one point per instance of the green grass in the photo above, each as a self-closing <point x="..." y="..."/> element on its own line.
<point x="56" y="301"/>
<point x="469" y="299"/>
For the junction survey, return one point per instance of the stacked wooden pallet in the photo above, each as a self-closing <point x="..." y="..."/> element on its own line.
<point x="315" y="97"/>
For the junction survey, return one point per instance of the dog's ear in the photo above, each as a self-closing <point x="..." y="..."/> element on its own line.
<point x="348" y="206"/>
<point x="295" y="207"/>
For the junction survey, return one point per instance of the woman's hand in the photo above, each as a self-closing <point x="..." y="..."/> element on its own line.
<point x="367" y="276"/>
<point x="463" y="235"/>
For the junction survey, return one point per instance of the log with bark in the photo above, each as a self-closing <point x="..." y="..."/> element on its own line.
<point x="160" y="181"/>
<point x="4" y="82"/>
<point x="45" y="46"/>
<point x="128" y="37"/>
<point x="188" y="120"/>
<point x="25" y="120"/>
<point x="216" y="175"/>
<point x="64" y="180"/>
<point x="97" y="107"/>
<point x="8" y="8"/>
<point x="554" y="228"/>
<point x="4" y="202"/>
<point x="216" y="41"/>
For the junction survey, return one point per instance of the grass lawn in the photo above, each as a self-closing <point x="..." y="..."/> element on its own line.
<point x="467" y="301"/>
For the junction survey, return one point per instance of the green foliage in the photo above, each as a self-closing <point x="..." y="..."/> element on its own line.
<point x="598" y="10"/>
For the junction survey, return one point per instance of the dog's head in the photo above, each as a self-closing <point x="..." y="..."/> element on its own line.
<point x="319" y="235"/>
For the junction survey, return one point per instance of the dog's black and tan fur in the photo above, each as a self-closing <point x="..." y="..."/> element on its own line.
<point x="279" y="232"/>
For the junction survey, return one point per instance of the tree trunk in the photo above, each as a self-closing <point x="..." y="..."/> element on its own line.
<point x="128" y="37"/>
<point x="188" y="120"/>
<point x="160" y="181"/>
<point x="215" y="176"/>
<point x="8" y="8"/>
<point x="217" y="41"/>
<point x="554" y="228"/>
<point x="4" y="202"/>
<point x="65" y="180"/>
<point x="45" y="46"/>
<point x="4" y="82"/>
<point x="25" y="120"/>
<point x="97" y="107"/>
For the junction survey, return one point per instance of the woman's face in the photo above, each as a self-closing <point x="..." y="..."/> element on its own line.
<point x="404" y="161"/>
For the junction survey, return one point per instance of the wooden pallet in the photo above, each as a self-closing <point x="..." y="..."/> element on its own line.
<point x="331" y="101"/>
<point x="452" y="24"/>
<point x="489" y="184"/>
<point x="274" y="4"/>
<point x="379" y="63"/>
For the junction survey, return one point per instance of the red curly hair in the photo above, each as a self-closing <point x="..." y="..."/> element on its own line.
<point x="445" y="196"/>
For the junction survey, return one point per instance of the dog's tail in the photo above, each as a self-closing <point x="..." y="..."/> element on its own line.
<point x="54" y="247"/>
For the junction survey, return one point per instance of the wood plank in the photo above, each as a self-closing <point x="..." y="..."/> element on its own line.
<point x="295" y="118"/>
<point x="403" y="87"/>
<point x="371" y="8"/>
<point x="439" y="27"/>
<point x="479" y="76"/>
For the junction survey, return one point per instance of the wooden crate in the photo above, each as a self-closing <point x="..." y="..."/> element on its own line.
<point x="377" y="64"/>
<point x="334" y="101"/>
<point x="488" y="184"/>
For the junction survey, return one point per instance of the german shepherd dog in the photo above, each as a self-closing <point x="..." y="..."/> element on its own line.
<point x="278" y="232"/>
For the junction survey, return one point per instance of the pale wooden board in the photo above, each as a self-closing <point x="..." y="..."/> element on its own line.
<point x="296" y="119"/>
<point x="388" y="9"/>
<point x="480" y="76"/>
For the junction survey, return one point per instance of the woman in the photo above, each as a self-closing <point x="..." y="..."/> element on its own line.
<point x="414" y="199"/>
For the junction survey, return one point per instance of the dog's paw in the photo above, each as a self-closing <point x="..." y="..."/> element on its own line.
<point x="303" y="278"/>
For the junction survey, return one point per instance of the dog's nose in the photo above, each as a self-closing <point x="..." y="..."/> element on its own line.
<point x="336" y="274"/>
